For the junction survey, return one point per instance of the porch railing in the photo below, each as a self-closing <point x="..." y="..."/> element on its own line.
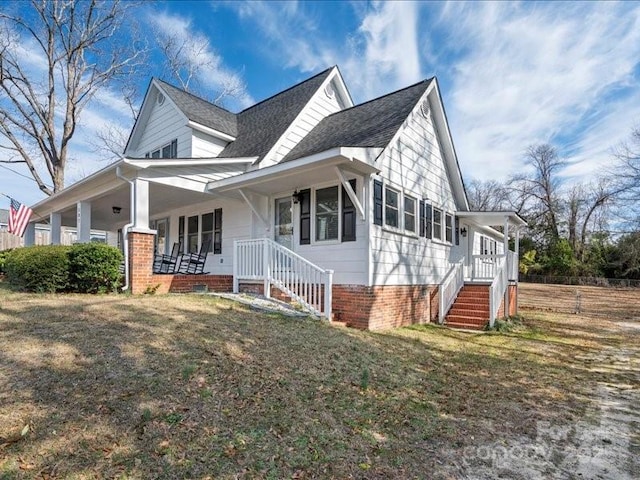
<point x="263" y="259"/>
<point x="498" y="289"/>
<point x="450" y="288"/>
<point x="485" y="267"/>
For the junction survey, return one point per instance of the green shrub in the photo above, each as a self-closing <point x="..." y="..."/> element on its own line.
<point x="39" y="268"/>
<point x="94" y="268"/>
<point x="3" y="257"/>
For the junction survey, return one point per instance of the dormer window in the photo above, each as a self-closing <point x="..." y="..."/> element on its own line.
<point x="170" y="150"/>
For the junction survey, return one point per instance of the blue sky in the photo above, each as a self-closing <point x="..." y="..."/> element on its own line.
<point x="511" y="74"/>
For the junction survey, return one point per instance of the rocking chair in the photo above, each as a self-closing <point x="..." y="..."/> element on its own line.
<point x="193" y="263"/>
<point x="168" y="263"/>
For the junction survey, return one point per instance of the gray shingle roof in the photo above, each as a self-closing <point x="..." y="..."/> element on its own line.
<point x="370" y="124"/>
<point x="260" y="126"/>
<point x="4" y="216"/>
<point x="201" y="111"/>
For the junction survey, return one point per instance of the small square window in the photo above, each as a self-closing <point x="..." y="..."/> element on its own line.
<point x="391" y="208"/>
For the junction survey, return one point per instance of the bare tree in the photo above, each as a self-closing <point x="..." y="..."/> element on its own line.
<point x="55" y="58"/>
<point x="586" y="212"/>
<point x="189" y="59"/>
<point x="627" y="175"/>
<point x="487" y="196"/>
<point x="537" y="194"/>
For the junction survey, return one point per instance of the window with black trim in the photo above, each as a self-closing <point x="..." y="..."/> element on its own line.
<point x="437" y="223"/>
<point x="217" y="231"/>
<point x="207" y="230"/>
<point x="327" y="212"/>
<point x="448" y="228"/>
<point x="181" y="233"/>
<point x="391" y="207"/>
<point x="409" y="214"/>
<point x="192" y="233"/>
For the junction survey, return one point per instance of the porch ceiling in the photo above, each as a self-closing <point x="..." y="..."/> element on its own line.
<point x="161" y="199"/>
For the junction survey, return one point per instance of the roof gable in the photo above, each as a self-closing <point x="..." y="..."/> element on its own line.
<point x="262" y="125"/>
<point x="201" y="111"/>
<point x="370" y="124"/>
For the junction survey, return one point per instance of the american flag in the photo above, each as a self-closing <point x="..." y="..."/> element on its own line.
<point x="19" y="215"/>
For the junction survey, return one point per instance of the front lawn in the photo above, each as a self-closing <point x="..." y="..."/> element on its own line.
<point x="188" y="386"/>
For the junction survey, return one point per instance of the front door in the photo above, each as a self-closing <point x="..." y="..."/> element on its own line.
<point x="162" y="228"/>
<point x="284" y="222"/>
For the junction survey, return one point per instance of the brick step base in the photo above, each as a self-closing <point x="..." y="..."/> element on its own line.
<point x="478" y="320"/>
<point x="464" y="326"/>
<point x="478" y="296"/>
<point x="459" y="310"/>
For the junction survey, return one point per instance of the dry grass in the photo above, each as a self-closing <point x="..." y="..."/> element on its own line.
<point x="194" y="387"/>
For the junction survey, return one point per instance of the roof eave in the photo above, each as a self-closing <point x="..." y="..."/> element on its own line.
<point x="361" y="158"/>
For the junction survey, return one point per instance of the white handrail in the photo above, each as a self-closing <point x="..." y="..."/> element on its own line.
<point x="263" y="259"/>
<point x="497" y="290"/>
<point x="450" y="288"/>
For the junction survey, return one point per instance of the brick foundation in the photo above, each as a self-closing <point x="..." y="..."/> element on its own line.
<point x="512" y="292"/>
<point x="179" y="283"/>
<point x="382" y="306"/>
<point x="513" y="299"/>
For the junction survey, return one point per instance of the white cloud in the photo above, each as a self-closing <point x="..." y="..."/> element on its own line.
<point x="533" y="73"/>
<point x="380" y="56"/>
<point x="197" y="48"/>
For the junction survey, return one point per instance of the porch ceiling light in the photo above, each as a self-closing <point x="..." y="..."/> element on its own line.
<point x="116" y="210"/>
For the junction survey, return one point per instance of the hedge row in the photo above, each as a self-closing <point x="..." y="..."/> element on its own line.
<point x="83" y="267"/>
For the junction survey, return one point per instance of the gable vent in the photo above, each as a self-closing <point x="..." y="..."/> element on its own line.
<point x="160" y="98"/>
<point x="329" y="91"/>
<point x="424" y="108"/>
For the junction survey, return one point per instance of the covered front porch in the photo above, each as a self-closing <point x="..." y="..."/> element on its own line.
<point x="482" y="285"/>
<point x="162" y="211"/>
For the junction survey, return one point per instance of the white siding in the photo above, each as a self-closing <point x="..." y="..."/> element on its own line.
<point x="318" y="107"/>
<point x="165" y="123"/>
<point x="204" y="145"/>
<point x="236" y="225"/>
<point x="348" y="260"/>
<point x="413" y="164"/>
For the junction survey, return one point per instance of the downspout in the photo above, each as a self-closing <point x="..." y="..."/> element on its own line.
<point x="125" y="229"/>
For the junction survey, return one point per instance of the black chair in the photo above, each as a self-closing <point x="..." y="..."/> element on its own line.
<point x="193" y="263"/>
<point x="167" y="263"/>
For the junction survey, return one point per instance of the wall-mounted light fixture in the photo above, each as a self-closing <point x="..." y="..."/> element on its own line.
<point x="296" y="197"/>
<point x="116" y="210"/>
<point x="463" y="231"/>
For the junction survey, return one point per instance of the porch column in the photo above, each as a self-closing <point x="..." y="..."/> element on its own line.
<point x="30" y="234"/>
<point x="83" y="223"/>
<point x="141" y="207"/>
<point x="506" y="235"/>
<point x="506" y="260"/>
<point x="55" y="221"/>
